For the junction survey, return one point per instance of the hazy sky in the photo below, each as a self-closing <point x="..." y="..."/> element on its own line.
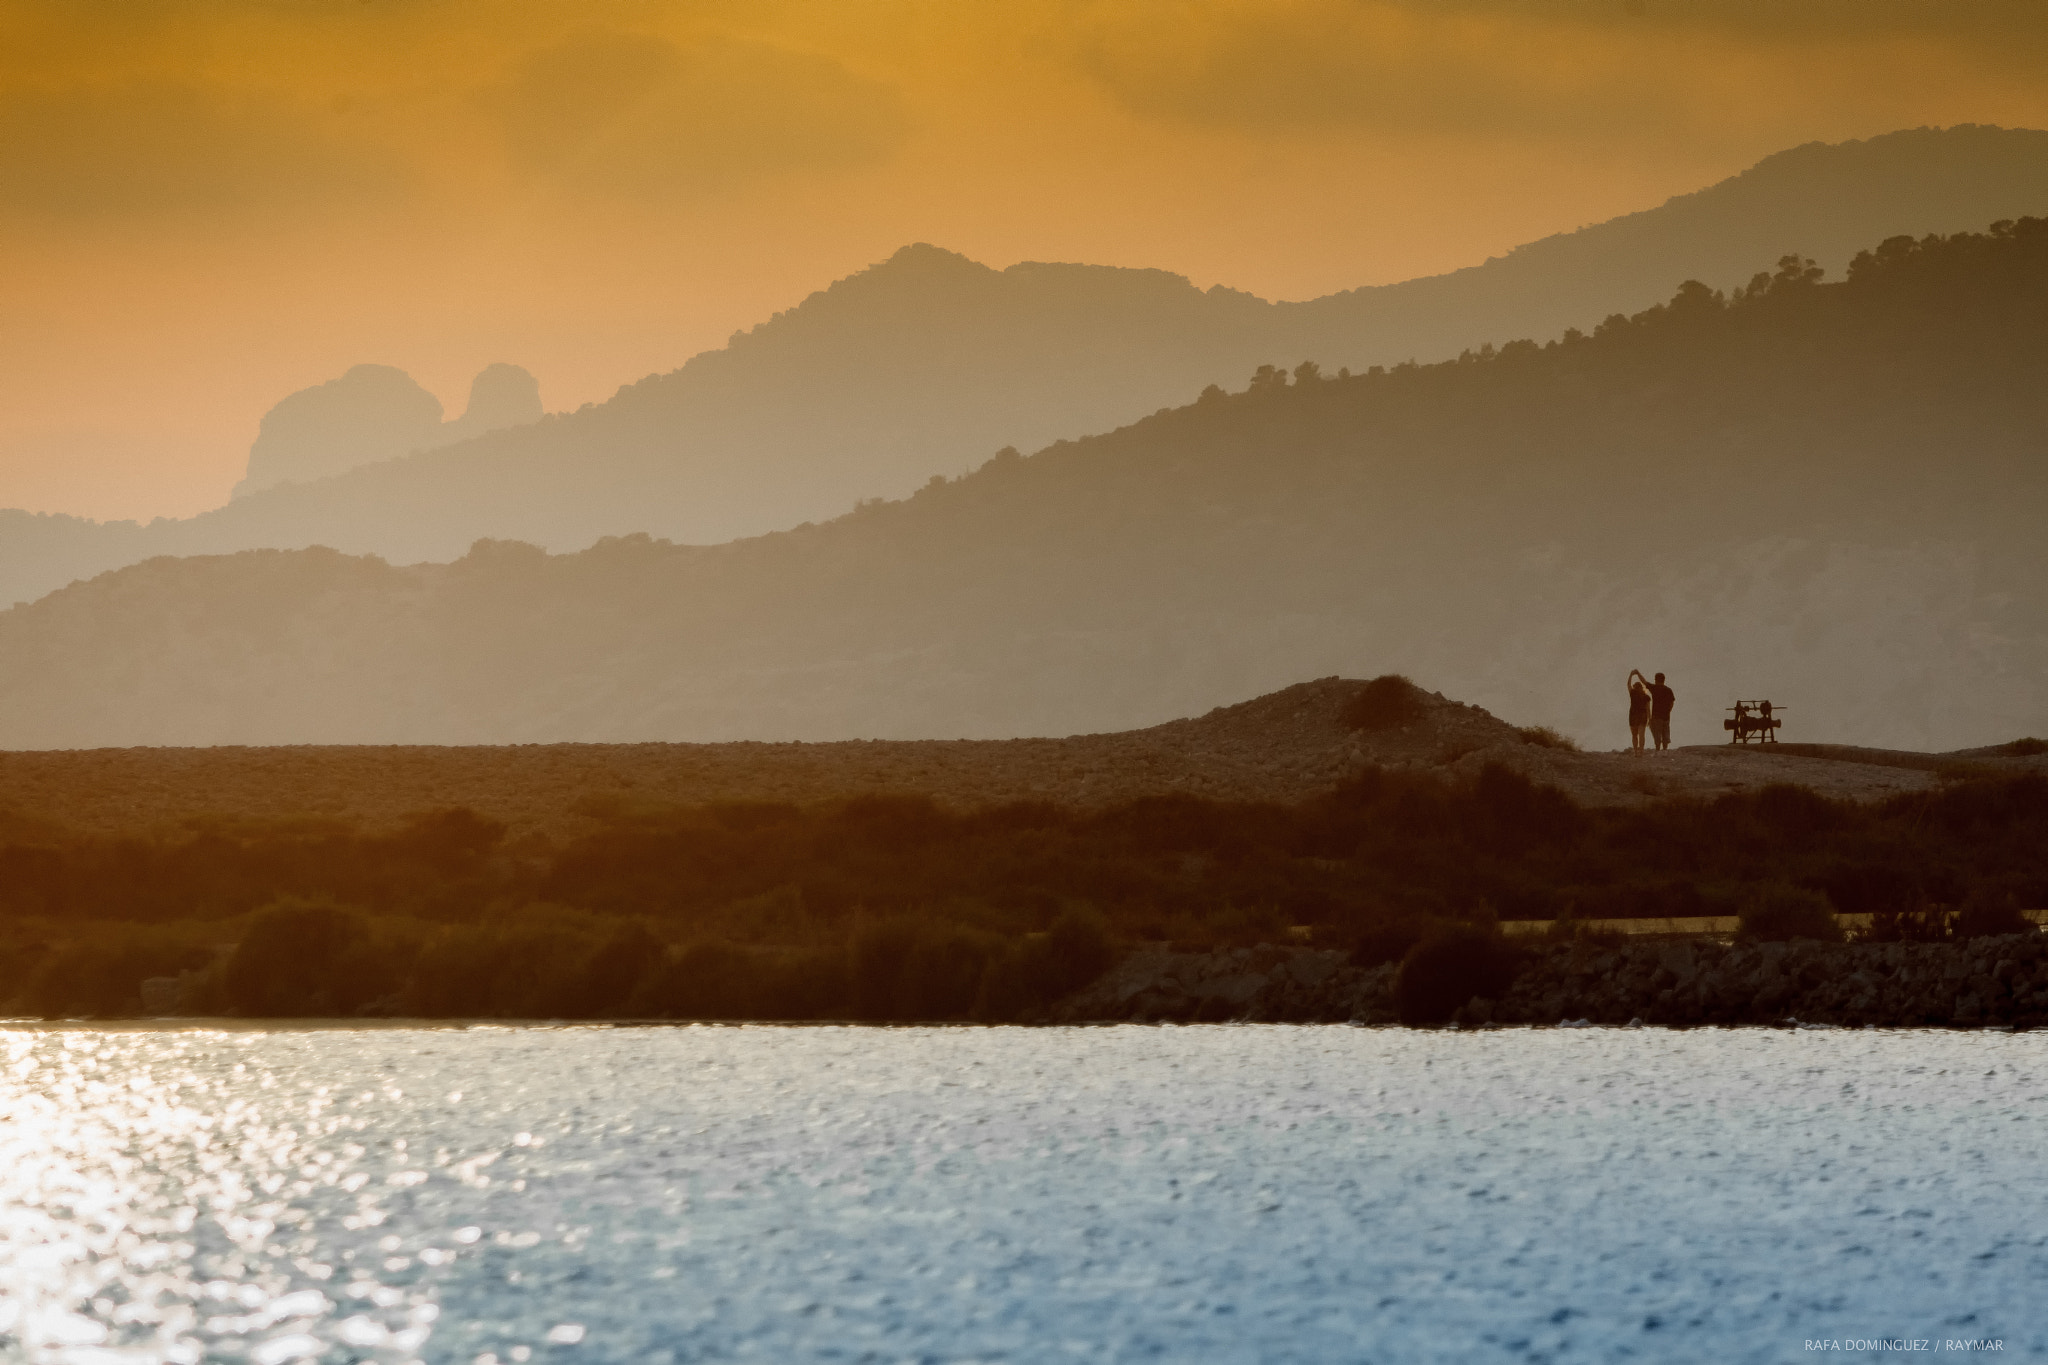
<point x="206" y="205"/>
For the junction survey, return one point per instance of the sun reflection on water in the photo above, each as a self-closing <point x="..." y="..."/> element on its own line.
<point x="158" y="1205"/>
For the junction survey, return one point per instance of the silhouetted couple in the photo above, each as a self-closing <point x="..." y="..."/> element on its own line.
<point x="1648" y="703"/>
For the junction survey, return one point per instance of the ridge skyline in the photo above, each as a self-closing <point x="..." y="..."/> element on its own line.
<point x="1431" y="339"/>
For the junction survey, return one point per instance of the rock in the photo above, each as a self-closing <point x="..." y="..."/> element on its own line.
<point x="1478" y="1010"/>
<point x="374" y="412"/>
<point x="1312" y="970"/>
<point x="1237" y="989"/>
<point x="1679" y="959"/>
<point x="501" y="396"/>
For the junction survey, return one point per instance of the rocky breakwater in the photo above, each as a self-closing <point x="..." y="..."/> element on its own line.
<point x="1974" y="983"/>
<point x="1266" y="984"/>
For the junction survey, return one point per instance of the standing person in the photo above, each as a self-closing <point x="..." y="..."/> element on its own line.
<point x="1638" y="708"/>
<point x="1661" y="698"/>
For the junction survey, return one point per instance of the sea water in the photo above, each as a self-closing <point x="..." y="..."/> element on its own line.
<point x="1239" y="1193"/>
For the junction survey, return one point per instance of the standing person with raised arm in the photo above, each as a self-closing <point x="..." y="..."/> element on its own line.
<point x="1638" y="708"/>
<point x="1661" y="698"/>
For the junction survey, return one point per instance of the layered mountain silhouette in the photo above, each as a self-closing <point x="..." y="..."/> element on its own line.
<point x="1830" y="494"/>
<point x="925" y="363"/>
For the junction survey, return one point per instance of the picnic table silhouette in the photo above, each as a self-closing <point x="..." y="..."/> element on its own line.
<point x="1753" y="720"/>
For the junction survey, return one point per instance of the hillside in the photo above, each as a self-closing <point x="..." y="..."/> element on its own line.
<point x="1286" y="747"/>
<point x="1829" y="494"/>
<point x="927" y="362"/>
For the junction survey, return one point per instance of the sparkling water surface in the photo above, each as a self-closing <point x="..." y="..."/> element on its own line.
<point x="1250" y="1193"/>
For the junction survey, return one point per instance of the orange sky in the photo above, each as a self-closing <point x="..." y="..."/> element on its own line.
<point x="207" y="205"/>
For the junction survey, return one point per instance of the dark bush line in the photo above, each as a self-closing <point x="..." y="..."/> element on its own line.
<point x="894" y="908"/>
<point x="301" y="959"/>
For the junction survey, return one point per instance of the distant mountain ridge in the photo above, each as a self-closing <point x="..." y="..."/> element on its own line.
<point x="1829" y="494"/>
<point x="1824" y="201"/>
<point x="924" y="364"/>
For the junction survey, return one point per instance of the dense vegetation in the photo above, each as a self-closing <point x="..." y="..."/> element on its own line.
<point x="894" y="908"/>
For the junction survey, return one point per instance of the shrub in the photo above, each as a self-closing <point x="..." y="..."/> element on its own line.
<point x="942" y="976"/>
<point x="449" y="841"/>
<point x="1570" y="929"/>
<point x="2026" y="748"/>
<point x="1175" y="823"/>
<point x="1389" y="938"/>
<point x="1993" y="808"/>
<point x="1546" y="738"/>
<point x="716" y="980"/>
<point x="1242" y="926"/>
<point x="1780" y="913"/>
<point x="1011" y="985"/>
<point x="1515" y="812"/>
<point x="805" y="984"/>
<point x="1923" y="922"/>
<point x="102" y="974"/>
<point x="881" y="955"/>
<point x="614" y="972"/>
<point x="1986" y="913"/>
<point x="1797" y="814"/>
<point x="703" y="981"/>
<point x="1879" y="886"/>
<point x="303" y="958"/>
<point x="1077" y="950"/>
<point x="528" y="966"/>
<point x="890" y="821"/>
<point x="1042" y="968"/>
<point x="1450" y="967"/>
<point x="1388" y="702"/>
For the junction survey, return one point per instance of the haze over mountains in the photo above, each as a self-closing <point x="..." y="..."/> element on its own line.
<point x="924" y="364"/>
<point x="1827" y="493"/>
